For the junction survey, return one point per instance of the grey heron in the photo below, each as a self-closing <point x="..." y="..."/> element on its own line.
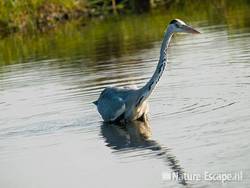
<point x="130" y="103"/>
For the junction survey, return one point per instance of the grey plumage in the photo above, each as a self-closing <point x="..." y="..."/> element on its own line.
<point x="130" y="103"/>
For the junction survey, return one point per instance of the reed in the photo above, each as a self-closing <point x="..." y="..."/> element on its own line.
<point x="27" y="16"/>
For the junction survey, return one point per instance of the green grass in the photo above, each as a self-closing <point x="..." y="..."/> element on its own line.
<point x="29" y="16"/>
<point x="33" y="15"/>
<point x="23" y="15"/>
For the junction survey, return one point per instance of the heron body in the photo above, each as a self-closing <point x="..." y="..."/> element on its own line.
<point x="121" y="102"/>
<point x="130" y="103"/>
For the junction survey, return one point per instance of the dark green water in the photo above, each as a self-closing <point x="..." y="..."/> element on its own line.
<point x="51" y="135"/>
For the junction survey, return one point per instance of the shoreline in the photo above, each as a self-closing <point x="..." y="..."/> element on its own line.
<point x="29" y="16"/>
<point x="38" y="16"/>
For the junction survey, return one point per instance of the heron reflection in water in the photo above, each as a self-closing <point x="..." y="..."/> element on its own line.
<point x="137" y="135"/>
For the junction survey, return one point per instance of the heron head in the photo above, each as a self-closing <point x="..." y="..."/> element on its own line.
<point x="178" y="26"/>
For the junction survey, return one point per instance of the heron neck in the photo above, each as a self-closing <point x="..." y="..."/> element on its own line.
<point x="146" y="90"/>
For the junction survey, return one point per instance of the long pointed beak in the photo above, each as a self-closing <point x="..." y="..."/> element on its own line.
<point x="189" y="29"/>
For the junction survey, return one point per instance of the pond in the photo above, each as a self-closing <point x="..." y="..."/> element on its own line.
<point x="51" y="134"/>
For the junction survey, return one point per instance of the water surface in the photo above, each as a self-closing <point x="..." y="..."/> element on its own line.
<point x="52" y="136"/>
